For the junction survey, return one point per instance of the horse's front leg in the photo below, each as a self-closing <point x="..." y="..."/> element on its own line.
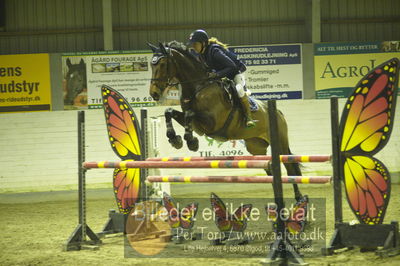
<point x="175" y="140"/>
<point x="191" y="141"/>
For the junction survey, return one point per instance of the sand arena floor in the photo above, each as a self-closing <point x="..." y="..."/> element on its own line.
<point x="35" y="227"/>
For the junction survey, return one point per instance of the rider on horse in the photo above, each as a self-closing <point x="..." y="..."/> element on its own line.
<point x="223" y="64"/>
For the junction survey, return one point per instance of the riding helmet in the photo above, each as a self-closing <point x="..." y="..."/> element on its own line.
<point x="198" y="36"/>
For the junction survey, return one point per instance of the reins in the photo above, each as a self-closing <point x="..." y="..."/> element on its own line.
<point x="220" y="132"/>
<point x="169" y="78"/>
<point x="187" y="81"/>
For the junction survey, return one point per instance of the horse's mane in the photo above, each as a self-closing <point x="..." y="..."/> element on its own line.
<point x="183" y="49"/>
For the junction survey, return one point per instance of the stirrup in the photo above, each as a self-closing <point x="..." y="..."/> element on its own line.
<point x="251" y="123"/>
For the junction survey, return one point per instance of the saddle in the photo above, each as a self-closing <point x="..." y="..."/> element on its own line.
<point x="230" y="88"/>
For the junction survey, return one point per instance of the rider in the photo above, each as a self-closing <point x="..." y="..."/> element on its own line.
<point x="224" y="64"/>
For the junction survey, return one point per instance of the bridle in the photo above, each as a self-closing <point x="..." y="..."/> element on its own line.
<point x="156" y="58"/>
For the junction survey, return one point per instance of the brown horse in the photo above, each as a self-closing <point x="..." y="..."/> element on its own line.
<point x="207" y="107"/>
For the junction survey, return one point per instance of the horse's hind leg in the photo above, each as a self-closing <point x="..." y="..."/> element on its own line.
<point x="175" y="140"/>
<point x="301" y="200"/>
<point x="258" y="146"/>
<point x="293" y="169"/>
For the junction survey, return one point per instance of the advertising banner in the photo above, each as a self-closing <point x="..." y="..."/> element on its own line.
<point x="339" y="66"/>
<point x="25" y="83"/>
<point x="128" y="72"/>
<point x="273" y="71"/>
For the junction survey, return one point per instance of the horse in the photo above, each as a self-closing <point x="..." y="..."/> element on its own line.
<point x="75" y="80"/>
<point x="208" y="109"/>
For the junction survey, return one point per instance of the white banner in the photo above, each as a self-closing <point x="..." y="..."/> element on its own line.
<point x="128" y="72"/>
<point x="273" y="71"/>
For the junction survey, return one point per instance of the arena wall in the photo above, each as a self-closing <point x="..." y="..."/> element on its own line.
<point x="39" y="150"/>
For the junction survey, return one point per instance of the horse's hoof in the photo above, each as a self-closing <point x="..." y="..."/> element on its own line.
<point x="176" y="142"/>
<point x="188" y="136"/>
<point x="193" y="145"/>
<point x="301" y="198"/>
<point x="171" y="134"/>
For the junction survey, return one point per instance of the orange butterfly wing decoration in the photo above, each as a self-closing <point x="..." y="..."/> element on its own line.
<point x="230" y="222"/>
<point x="295" y="223"/>
<point x="297" y="219"/>
<point x="365" y="126"/>
<point x="123" y="132"/>
<point x="177" y="217"/>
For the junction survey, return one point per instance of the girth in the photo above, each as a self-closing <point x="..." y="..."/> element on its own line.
<point x="221" y="133"/>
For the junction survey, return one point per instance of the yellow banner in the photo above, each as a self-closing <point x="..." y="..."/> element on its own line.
<point x="337" y="75"/>
<point x="25" y="83"/>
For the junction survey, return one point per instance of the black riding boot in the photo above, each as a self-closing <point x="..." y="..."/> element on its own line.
<point x="247" y="112"/>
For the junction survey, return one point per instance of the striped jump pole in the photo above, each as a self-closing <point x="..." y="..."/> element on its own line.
<point x="178" y="164"/>
<point x="283" y="158"/>
<point x="240" y="179"/>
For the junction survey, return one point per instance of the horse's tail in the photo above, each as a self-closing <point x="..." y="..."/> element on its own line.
<point x="297" y="166"/>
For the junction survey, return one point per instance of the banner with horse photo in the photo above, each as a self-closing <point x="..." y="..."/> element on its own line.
<point x="74" y="82"/>
<point x="128" y="72"/>
<point x="25" y="83"/>
<point x="339" y="66"/>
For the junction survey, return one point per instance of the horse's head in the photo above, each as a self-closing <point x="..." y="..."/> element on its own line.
<point x="163" y="70"/>
<point x="75" y="79"/>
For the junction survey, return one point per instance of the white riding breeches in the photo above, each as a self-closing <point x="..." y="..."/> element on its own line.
<point x="240" y="83"/>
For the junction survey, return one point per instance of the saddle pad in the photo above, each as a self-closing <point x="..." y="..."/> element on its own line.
<point x="253" y="104"/>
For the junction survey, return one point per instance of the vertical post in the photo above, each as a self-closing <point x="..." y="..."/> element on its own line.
<point x="78" y="236"/>
<point x="316" y="21"/>
<point x="107" y="25"/>
<point x="144" y="147"/>
<point x="336" y="162"/>
<point x="276" y="164"/>
<point x="82" y="173"/>
<point x="282" y="248"/>
<point x="313" y="21"/>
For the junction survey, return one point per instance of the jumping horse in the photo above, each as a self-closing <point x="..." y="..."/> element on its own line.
<point x="208" y="108"/>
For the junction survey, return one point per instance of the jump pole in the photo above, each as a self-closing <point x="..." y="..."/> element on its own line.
<point x="283" y="158"/>
<point x="240" y="179"/>
<point x="178" y="164"/>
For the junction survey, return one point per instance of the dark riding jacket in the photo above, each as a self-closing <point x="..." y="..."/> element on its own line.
<point x="224" y="62"/>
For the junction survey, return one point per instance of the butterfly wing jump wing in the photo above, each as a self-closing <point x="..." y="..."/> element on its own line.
<point x="366" y="125"/>
<point x="123" y="132"/>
